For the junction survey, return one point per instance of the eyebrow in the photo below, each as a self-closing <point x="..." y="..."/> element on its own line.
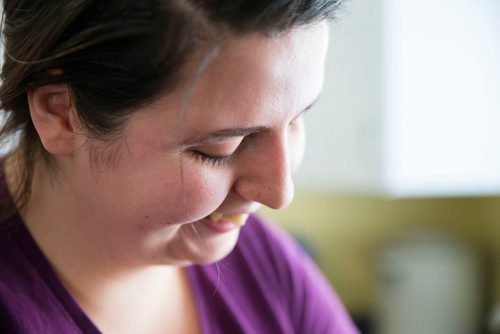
<point x="222" y="134"/>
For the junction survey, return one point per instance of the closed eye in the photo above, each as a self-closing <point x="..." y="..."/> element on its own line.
<point x="212" y="160"/>
<point x="218" y="154"/>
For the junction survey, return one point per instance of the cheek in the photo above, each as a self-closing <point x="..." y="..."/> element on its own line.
<point x="184" y="197"/>
<point x="296" y="144"/>
<point x="153" y="188"/>
<point x="204" y="188"/>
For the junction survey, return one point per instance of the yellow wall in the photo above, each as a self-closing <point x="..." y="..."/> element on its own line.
<point x="347" y="232"/>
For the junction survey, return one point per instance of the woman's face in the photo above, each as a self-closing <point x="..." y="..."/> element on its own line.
<point x="227" y="143"/>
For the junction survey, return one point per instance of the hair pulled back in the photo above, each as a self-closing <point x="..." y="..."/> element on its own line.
<point x="117" y="55"/>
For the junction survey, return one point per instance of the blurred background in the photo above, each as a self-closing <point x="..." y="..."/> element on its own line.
<point x="398" y="198"/>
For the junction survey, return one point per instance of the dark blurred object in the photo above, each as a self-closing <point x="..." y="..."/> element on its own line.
<point x="363" y="322"/>
<point x="494" y="320"/>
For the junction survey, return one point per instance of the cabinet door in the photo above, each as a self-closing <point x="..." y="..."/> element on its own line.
<point x="411" y="105"/>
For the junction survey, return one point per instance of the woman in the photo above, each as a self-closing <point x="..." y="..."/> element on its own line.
<point x="148" y="133"/>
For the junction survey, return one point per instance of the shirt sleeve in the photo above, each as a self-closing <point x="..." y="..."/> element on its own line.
<point x="313" y="304"/>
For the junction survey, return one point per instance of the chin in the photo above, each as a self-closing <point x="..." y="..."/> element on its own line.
<point x="215" y="250"/>
<point x="201" y="248"/>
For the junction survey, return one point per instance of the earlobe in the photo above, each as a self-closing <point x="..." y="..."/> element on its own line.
<point x="51" y="112"/>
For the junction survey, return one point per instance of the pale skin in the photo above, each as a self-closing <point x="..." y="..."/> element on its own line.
<point x="118" y="233"/>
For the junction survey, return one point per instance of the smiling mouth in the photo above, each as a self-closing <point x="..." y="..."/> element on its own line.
<point x="237" y="220"/>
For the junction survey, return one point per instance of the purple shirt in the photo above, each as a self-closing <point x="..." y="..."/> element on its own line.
<point x="266" y="285"/>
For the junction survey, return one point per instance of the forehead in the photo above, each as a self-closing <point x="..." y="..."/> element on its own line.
<point x="252" y="81"/>
<point x="257" y="73"/>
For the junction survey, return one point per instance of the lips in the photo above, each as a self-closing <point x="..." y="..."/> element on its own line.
<point x="237" y="220"/>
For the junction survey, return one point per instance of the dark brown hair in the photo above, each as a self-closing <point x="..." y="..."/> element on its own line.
<point x="117" y="55"/>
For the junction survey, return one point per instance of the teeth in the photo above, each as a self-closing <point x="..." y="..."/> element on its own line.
<point x="216" y="216"/>
<point x="238" y="220"/>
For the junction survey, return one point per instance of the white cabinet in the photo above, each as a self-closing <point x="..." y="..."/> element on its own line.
<point x="411" y="105"/>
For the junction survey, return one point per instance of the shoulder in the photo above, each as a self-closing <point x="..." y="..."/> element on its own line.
<point x="16" y="280"/>
<point x="266" y="240"/>
<point x="277" y="256"/>
<point x="290" y="273"/>
<point x="12" y="260"/>
<point x="270" y="248"/>
<point x="31" y="298"/>
<point x="245" y="292"/>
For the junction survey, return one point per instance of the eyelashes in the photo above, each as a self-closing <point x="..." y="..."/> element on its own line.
<point x="212" y="160"/>
<point x="218" y="155"/>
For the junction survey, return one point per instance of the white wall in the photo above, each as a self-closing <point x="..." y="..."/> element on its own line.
<point x="344" y="139"/>
<point x="411" y="105"/>
<point x="442" y="96"/>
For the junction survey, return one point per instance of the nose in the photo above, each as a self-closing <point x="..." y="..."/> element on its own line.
<point x="265" y="176"/>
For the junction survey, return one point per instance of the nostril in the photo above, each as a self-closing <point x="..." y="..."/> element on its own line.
<point x="279" y="195"/>
<point x="271" y="192"/>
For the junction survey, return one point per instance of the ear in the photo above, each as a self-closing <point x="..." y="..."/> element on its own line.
<point x="54" y="118"/>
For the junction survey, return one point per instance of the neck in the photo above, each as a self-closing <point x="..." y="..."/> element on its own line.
<point x="108" y="288"/>
<point x="67" y="231"/>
